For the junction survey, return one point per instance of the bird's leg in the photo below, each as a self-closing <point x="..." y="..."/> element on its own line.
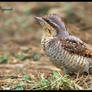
<point x="77" y="75"/>
<point x="65" y="71"/>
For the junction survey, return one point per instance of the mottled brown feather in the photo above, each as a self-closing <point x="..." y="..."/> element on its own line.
<point x="76" y="47"/>
<point x="51" y="24"/>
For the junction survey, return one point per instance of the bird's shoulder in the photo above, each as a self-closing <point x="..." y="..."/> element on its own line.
<point x="75" y="46"/>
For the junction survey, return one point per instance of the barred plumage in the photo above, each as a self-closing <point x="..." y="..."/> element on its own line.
<point x="61" y="57"/>
<point x="64" y="50"/>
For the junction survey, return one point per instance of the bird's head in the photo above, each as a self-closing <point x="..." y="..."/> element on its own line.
<point x="52" y="25"/>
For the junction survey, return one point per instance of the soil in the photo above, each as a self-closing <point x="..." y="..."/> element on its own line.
<point x="20" y="33"/>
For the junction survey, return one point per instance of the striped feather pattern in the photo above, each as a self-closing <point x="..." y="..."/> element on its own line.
<point x="61" y="57"/>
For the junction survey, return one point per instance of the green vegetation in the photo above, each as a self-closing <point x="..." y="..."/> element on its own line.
<point x="56" y="82"/>
<point x="20" y="56"/>
<point x="25" y="69"/>
<point x="4" y="58"/>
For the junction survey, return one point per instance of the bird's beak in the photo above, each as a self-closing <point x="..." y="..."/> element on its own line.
<point x="40" y="20"/>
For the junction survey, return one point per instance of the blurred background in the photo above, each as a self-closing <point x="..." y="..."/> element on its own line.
<point x="19" y="28"/>
<point x="20" y="34"/>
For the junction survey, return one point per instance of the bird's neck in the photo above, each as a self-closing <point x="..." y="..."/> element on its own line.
<point x="45" y="39"/>
<point x="62" y="34"/>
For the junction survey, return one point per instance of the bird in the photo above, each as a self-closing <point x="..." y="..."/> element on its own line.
<point x="64" y="50"/>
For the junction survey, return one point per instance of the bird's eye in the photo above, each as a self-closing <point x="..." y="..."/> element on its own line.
<point x="42" y="23"/>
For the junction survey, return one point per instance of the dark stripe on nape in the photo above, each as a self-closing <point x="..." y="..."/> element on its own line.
<point x="51" y="24"/>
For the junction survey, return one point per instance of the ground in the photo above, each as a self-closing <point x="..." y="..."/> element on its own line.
<point x="23" y="63"/>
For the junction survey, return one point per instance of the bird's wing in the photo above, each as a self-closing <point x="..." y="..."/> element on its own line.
<point x="77" y="47"/>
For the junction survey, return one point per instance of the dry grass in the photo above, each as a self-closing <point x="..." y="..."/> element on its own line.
<point x="23" y="64"/>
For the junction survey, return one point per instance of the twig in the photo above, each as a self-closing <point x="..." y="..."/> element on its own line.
<point x="10" y="77"/>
